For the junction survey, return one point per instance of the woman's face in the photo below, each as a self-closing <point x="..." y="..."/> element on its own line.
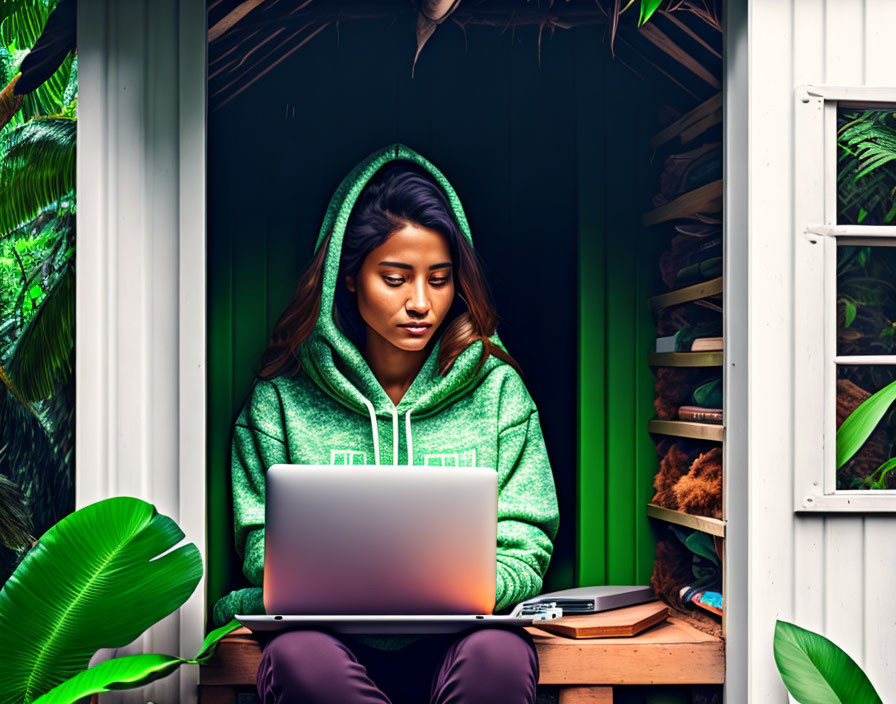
<point x="408" y="279"/>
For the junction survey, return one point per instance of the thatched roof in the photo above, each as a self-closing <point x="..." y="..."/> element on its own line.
<point x="682" y="41"/>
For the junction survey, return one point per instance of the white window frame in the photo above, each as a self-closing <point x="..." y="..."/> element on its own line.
<point x="815" y="296"/>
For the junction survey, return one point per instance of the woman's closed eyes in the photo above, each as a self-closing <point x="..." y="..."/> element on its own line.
<point x="398" y="281"/>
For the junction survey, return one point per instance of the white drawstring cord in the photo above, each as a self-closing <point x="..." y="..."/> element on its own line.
<point x="376" y="434"/>
<point x="407" y="433"/>
<point x="394" y="436"/>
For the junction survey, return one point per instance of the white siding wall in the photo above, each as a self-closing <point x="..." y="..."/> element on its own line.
<point x="829" y="573"/>
<point x="140" y="340"/>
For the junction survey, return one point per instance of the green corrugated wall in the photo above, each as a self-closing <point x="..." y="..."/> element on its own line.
<point x="552" y="165"/>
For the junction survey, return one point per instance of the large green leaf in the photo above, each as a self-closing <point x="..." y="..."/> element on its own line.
<point x="97" y="579"/>
<point x="120" y="673"/>
<point x="129" y="671"/>
<point x="211" y="641"/>
<point x="815" y="671"/>
<point x="854" y="431"/>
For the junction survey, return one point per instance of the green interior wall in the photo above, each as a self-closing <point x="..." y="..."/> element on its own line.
<point x="553" y="167"/>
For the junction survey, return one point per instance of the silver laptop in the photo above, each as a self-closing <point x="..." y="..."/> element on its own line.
<point x="381" y="549"/>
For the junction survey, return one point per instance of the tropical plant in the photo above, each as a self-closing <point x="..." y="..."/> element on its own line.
<point x="816" y="671"/>
<point x="866" y="325"/>
<point x="97" y="579"/>
<point x="866" y="176"/>
<point x="37" y="236"/>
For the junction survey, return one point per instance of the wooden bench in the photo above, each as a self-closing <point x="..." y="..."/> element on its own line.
<point x="585" y="670"/>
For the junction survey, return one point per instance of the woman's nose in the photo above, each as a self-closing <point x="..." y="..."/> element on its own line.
<point x="419" y="301"/>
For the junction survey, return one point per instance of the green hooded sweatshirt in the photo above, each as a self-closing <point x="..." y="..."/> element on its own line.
<point x="334" y="411"/>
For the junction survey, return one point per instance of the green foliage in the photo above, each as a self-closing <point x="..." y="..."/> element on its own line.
<point x="37" y="237"/>
<point x="815" y="671"/>
<point x="44" y="352"/>
<point x="97" y="579"/>
<point x="646" y="10"/>
<point x="877" y="479"/>
<point x="118" y="673"/>
<point x="129" y="671"/>
<point x="38" y="169"/>
<point x="648" y="7"/>
<point x="859" y="425"/>
<point x="866" y="176"/>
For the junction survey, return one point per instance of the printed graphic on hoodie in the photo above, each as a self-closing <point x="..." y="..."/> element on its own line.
<point x="320" y="416"/>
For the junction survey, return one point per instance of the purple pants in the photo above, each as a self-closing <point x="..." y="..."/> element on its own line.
<point x="485" y="665"/>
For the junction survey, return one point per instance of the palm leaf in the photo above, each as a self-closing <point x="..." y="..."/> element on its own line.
<point x="43" y="353"/>
<point x="815" y="671"/>
<point x="15" y="523"/>
<point x="14" y="390"/>
<point x="27" y="457"/>
<point x="97" y="579"/>
<point x="37" y="170"/>
<point x="859" y="425"/>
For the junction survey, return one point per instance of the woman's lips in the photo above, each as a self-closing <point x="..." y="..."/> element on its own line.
<point x="416" y="330"/>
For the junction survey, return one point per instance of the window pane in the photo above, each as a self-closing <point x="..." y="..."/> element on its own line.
<point x="869" y="467"/>
<point x="866" y="300"/>
<point x="866" y="166"/>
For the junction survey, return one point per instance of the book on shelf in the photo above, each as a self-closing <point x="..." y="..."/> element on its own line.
<point x="707" y="344"/>
<point x="675" y="343"/>
<point x="699" y="414"/>
<point x="665" y="343"/>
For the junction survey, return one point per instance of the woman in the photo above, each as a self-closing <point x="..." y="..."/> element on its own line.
<point x="392" y="318"/>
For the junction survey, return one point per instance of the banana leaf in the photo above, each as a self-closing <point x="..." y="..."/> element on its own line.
<point x="815" y="671"/>
<point x="97" y="579"/>
<point x="856" y="429"/>
<point x="129" y="671"/>
<point x="119" y="673"/>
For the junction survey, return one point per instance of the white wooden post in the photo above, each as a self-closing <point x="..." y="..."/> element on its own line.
<point x="140" y="330"/>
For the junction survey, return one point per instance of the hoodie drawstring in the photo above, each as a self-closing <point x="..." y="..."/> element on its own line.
<point x="407" y="434"/>
<point x="376" y="434"/>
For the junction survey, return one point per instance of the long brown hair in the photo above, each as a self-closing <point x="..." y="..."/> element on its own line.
<point x="399" y="193"/>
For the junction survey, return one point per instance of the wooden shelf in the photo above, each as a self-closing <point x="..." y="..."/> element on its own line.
<point x="704" y="524"/>
<point x="687" y="429"/>
<point x="705" y="199"/>
<point x="684" y="359"/>
<point x="713" y="287"/>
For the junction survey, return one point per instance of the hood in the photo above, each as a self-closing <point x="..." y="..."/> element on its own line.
<point x="336" y="364"/>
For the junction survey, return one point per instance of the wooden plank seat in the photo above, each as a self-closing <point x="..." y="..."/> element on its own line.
<point x="585" y="670"/>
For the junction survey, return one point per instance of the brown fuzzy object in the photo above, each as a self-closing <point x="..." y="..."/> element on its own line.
<point x="874" y="452"/>
<point x="671" y="571"/>
<point x="699" y="492"/>
<point x="673" y="389"/>
<point x="673" y="467"/>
